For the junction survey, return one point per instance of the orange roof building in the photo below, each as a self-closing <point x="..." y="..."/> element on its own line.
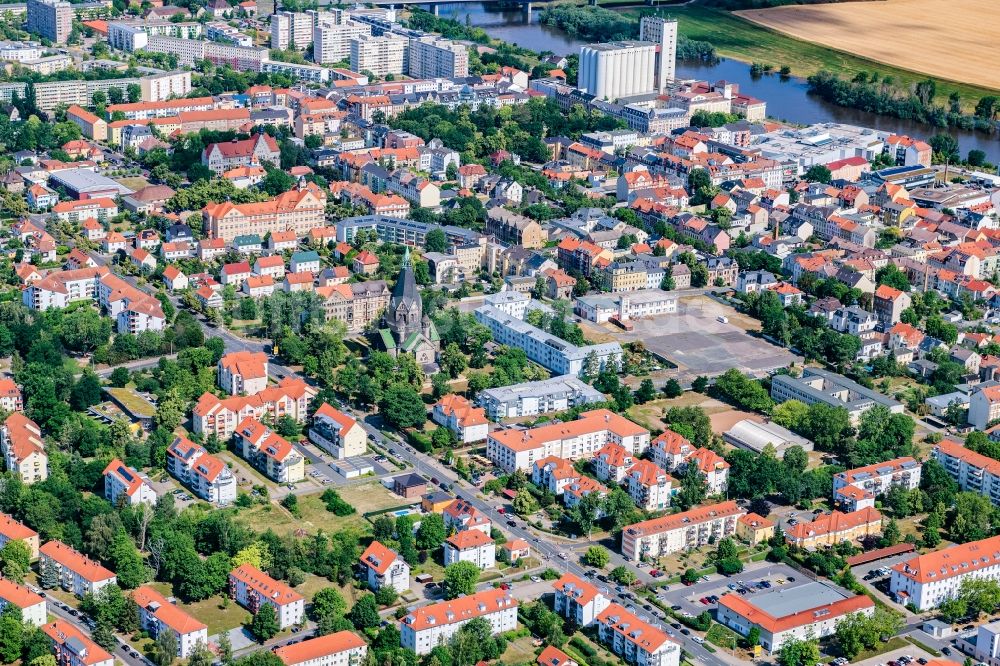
<point x="470" y="546"/>
<point x="156" y="614"/>
<point x="77" y="573"/>
<point x="242" y="372"/>
<point x="832" y="528"/>
<point x="813" y="609"/>
<point x="13" y="530"/>
<point x="626" y="634"/>
<point x="23" y="448"/>
<point x="668" y="534"/>
<point x="122" y="483"/>
<point x="72" y="646"/>
<point x="577" y="600"/>
<point x="250" y="587"/>
<point x="209" y="477"/>
<point x="458" y="415"/>
<point x="385" y="567"/>
<point x="927" y="580"/>
<point x="268" y="452"/>
<point x="426" y="627"/>
<point x="342" y="647"/>
<point x="297" y="210"/>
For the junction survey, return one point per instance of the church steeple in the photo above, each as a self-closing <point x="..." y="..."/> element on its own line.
<point x="405" y="307"/>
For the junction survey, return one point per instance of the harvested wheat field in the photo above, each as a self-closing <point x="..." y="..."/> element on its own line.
<point x="949" y="39"/>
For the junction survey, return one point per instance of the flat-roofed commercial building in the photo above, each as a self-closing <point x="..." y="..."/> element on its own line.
<point x="542" y="397"/>
<point x="806" y="612"/>
<point x="689" y="529"/>
<point x="817" y="385"/>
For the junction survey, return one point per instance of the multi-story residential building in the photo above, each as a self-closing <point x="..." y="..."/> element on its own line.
<point x="385" y="567"/>
<point x="874" y="480"/>
<point x="250" y="587"/>
<point x="555" y="354"/>
<point x="292" y="30"/>
<point x="754" y="528"/>
<point x="332" y="41"/>
<point x="829" y="529"/>
<point x="20" y="51"/>
<point x="52" y="19"/>
<point x="553" y="474"/>
<point x="243" y="372"/>
<point x="582" y="438"/>
<point x="342" y="648"/>
<point x="337" y="433"/>
<point x="100" y="209"/>
<point x="984" y="407"/>
<point x="130" y="486"/>
<point x="73" y="648"/>
<point x="32" y="606"/>
<point x="470" y="546"/>
<point x="160" y="87"/>
<point x="927" y="580"/>
<point x="269" y="452"/>
<point x="649" y="486"/>
<point x="689" y="529"/>
<point x="203" y="473"/>
<point x="157" y="614"/>
<point x="816" y="385"/>
<point x="164" y="109"/>
<point x="578" y="601"/>
<point x="462" y="516"/>
<point x="90" y="125"/>
<point x="973" y="471"/>
<point x="426" y="627"/>
<point x="889" y="304"/>
<point x="509" y="227"/>
<point x="260" y="148"/>
<point x="635" y="641"/>
<point x="298" y="210"/>
<point x="12" y="530"/>
<point x="77" y="573"/>
<point x="808" y="612"/>
<point x="23" y="448"/>
<point x="612" y="462"/>
<point x="458" y="415"/>
<point x="379" y="55"/>
<point x="212" y="416"/>
<point x="541" y="397"/>
<point x="434" y="57"/>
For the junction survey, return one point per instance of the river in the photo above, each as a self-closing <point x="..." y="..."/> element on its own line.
<point x="787" y="99"/>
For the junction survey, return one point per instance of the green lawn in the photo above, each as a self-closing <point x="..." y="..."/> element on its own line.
<point x="736" y="38"/>
<point x="212" y="611"/>
<point x="520" y="651"/>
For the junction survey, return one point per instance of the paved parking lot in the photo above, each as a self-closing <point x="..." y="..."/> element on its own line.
<point x="779" y="576"/>
<point x="893" y="655"/>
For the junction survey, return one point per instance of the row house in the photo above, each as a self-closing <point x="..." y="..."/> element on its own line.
<point x="580" y="438"/>
<point x="77" y="573"/>
<point x="269" y="452"/>
<point x="252" y="588"/>
<point x="219" y="417"/>
<point x="206" y="475"/>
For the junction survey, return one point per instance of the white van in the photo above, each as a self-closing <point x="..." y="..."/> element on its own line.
<point x="722" y="319"/>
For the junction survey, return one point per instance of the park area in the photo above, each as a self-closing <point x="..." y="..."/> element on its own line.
<point x="957" y="38"/>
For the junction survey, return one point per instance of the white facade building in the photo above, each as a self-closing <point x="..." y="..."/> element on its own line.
<point x="617" y="69"/>
<point x="533" y="398"/>
<point x="689" y="529"/>
<point x="203" y="473"/>
<point x="578" y="600"/>
<point x="342" y="648"/>
<point x="426" y="627"/>
<point x="121" y="482"/>
<point x="292" y="30"/>
<point x="77" y="573"/>
<point x="927" y="580"/>
<point x="635" y="641"/>
<point x="663" y="33"/>
<point x="250" y="587"/>
<point x="32" y="606"/>
<point x="332" y="41"/>
<point x="379" y="55"/>
<point x="385" y="568"/>
<point x="158" y="614"/>
<point x="470" y="546"/>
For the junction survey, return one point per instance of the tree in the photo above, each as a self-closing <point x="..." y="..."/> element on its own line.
<point x="128" y="563"/>
<point x="890" y="533"/>
<point x="49" y="575"/>
<point x="15" y="560"/>
<point x="225" y="648"/>
<point x="646" y="392"/>
<point x="693" y="488"/>
<point x="460" y="578"/>
<point x="436" y="241"/>
<point x="431" y="533"/>
<point x="597" y="556"/>
<point x="945" y="148"/>
<point x="264" y="624"/>
<point x="165" y="648"/>
<point x="700" y="384"/>
<point x="753" y="636"/>
<point x="327" y="602"/>
<point x="525" y="504"/>
<point x="818" y="173"/>
<point x="689" y="577"/>
<point x="673" y="389"/>
<point x="12" y="634"/>
<point x="364" y="614"/>
<point x="622" y="575"/>
<point x="402" y="407"/>
<point x="797" y="652"/>
<point x="453" y="360"/>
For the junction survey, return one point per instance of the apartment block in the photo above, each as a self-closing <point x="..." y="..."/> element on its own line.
<point x="649" y="486"/>
<point x="73" y="648"/>
<point x="24" y="449"/>
<point x="161" y="87"/>
<point x="816" y="385"/>
<point x="435" y="57"/>
<point x="458" y="415"/>
<point x="379" y="55"/>
<point x="470" y="546"/>
<point x="582" y="438"/>
<point x="635" y="641"/>
<point x="426" y="627"/>
<point x="680" y="531"/>
<point x="533" y="398"/>
<point x="337" y="433"/>
<point x="384" y="567"/>
<point x="874" y="480"/>
<point x="299" y="210"/>
<point x="12" y="530"/>
<point x="342" y="648"/>
<point x="973" y="471"/>
<point x="90" y="125"/>
<point x="927" y="580"/>
<point x="830" y="529"/>
<point x="242" y="372"/>
<point x="578" y="601"/>
<point x="291" y="30"/>
<point x="207" y="476"/>
<point x="212" y="416"/>
<point x="268" y="452"/>
<point x="332" y="41"/>
<point x="122" y="483"/>
<point x="52" y="19"/>
<point x="157" y="614"/>
<point x="77" y="573"/>
<point x="251" y="588"/>
<point x="32" y="606"/>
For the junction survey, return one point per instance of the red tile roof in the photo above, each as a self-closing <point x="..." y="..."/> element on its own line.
<point x="316" y="648"/>
<point x="378" y="557"/>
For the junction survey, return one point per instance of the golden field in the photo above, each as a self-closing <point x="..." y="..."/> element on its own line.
<point x="958" y="40"/>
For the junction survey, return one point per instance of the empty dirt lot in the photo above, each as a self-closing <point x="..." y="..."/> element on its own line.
<point x="950" y="39"/>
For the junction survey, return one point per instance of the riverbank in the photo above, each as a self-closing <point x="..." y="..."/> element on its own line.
<point x="737" y="38"/>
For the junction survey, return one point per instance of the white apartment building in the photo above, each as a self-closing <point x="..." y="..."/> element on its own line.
<point x="649" y="486"/>
<point x="32" y="606"/>
<point x="613" y="462"/>
<point x="617" y="69"/>
<point x="268" y="452"/>
<point x="161" y="87"/>
<point x="426" y="627"/>
<point x="292" y="30"/>
<point x="158" y="614"/>
<point x="554" y="474"/>
<point x="635" y="641"/>
<point x="520" y="449"/>
<point x="458" y="415"/>
<point x="689" y="529"/>
<point x="132" y="487"/>
<point x="73" y="648"/>
<point x="984" y="407"/>
<point x="342" y="648"/>
<point x="533" y="398"/>
<point x="927" y="580"/>
<point x="578" y="600"/>
<point x="434" y="57"/>
<point x="332" y="42"/>
<point x="77" y="573"/>
<point x="379" y="55"/>
<point x="290" y="397"/>
<point x="385" y="568"/>
<point x="461" y="516"/>
<point x="470" y="546"/>
<point x="23" y="448"/>
<point x="337" y="433"/>
<point x="810" y="611"/>
<point x="972" y="471"/>
<point x="874" y="480"/>
<point x="242" y="372"/>
<point x="20" y="51"/>
<point x="207" y="476"/>
<point x="250" y="587"/>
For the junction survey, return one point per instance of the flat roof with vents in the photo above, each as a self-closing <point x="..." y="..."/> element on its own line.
<point x="788" y="601"/>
